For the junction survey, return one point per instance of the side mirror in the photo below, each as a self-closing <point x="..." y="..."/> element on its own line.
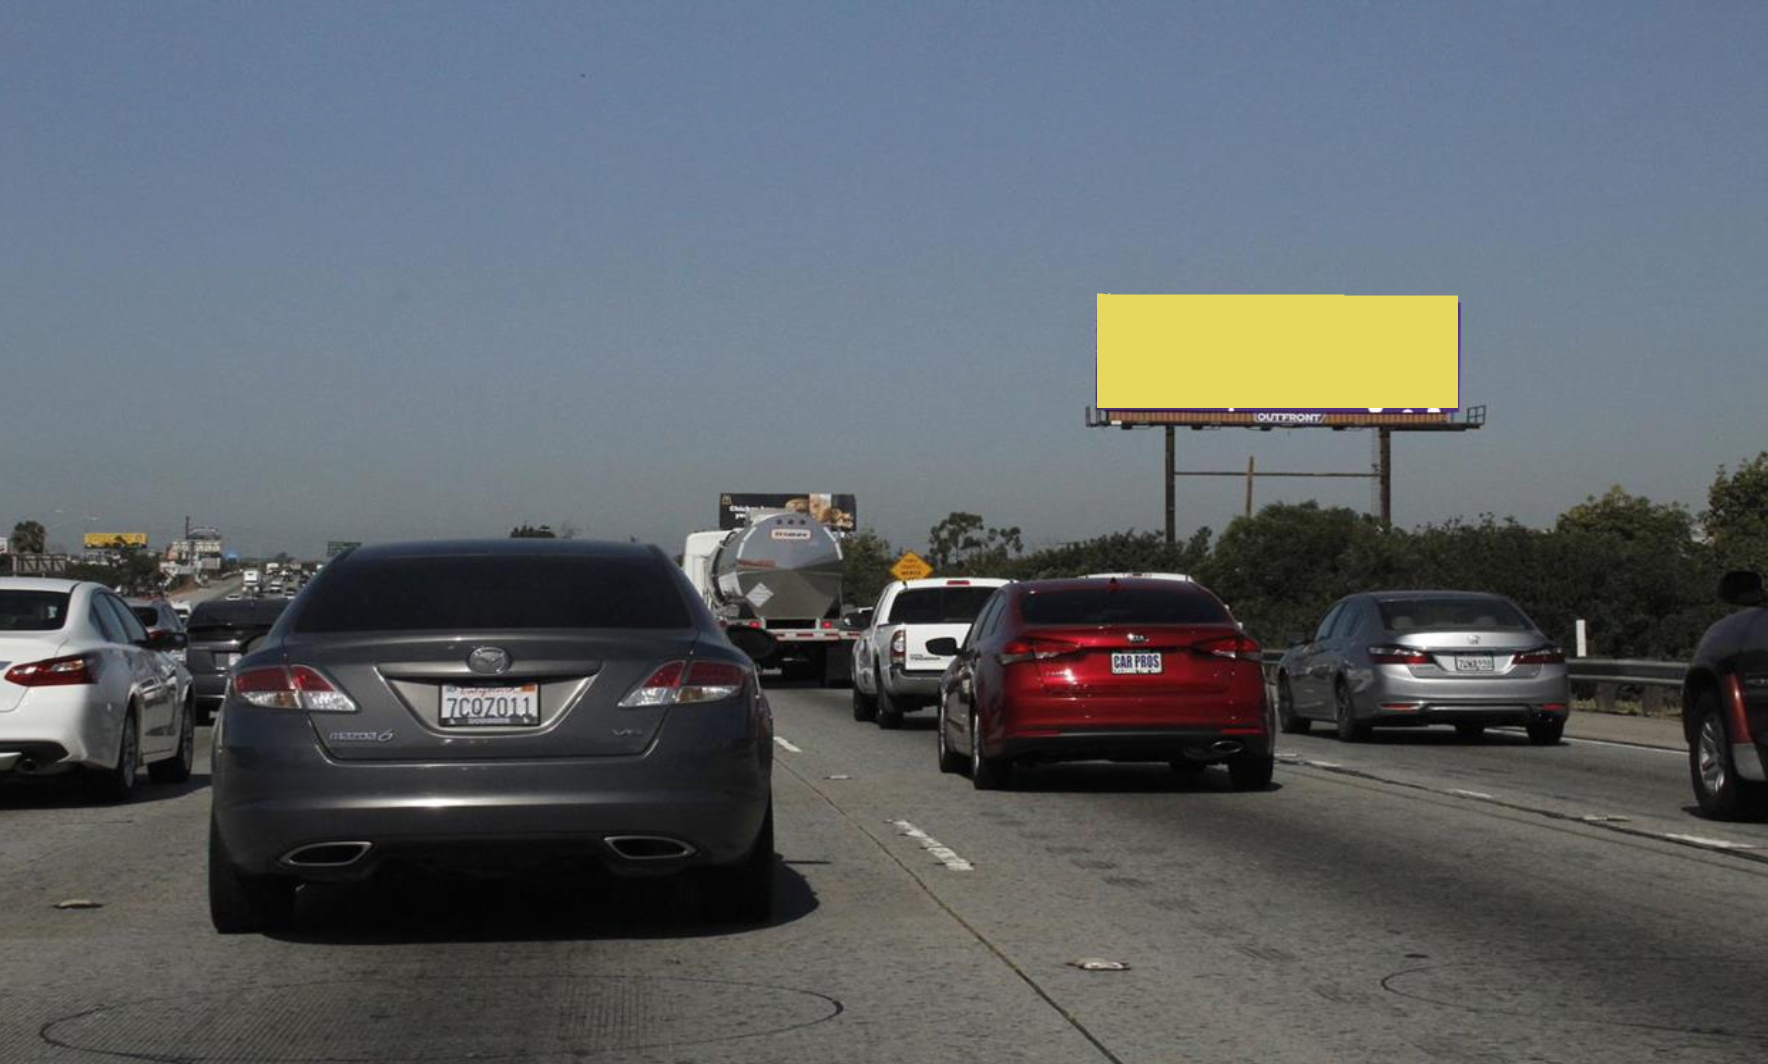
<point x="1742" y="587"/>
<point x="944" y="646"/>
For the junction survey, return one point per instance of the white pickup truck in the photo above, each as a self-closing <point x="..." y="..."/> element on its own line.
<point x="893" y="671"/>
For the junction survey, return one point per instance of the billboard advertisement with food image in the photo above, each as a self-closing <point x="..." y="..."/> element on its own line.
<point x="835" y="511"/>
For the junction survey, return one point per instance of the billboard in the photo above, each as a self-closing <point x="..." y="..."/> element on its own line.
<point x="1279" y="353"/>
<point x="114" y="540"/>
<point x="335" y="547"/>
<point x="836" y="511"/>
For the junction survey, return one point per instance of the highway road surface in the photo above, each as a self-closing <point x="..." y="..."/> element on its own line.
<point x="1417" y="898"/>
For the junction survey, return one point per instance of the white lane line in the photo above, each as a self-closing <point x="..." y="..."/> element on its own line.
<point x="1472" y="794"/>
<point x="785" y="745"/>
<point x="943" y="853"/>
<point x="1717" y="844"/>
<point x="1629" y="746"/>
<point x="1647" y="747"/>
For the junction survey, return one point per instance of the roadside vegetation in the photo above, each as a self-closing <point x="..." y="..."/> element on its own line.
<point x="1641" y="574"/>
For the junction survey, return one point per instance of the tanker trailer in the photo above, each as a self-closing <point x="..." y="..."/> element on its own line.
<point x="775" y="586"/>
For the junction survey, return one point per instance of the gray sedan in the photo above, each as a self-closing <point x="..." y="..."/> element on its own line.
<point x="495" y="705"/>
<point x="1410" y="658"/>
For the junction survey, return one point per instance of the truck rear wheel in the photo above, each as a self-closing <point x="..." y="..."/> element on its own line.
<point x="889" y="709"/>
<point x="865" y="707"/>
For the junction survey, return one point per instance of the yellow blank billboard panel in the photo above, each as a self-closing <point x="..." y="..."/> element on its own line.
<point x="110" y="540"/>
<point x="1250" y="352"/>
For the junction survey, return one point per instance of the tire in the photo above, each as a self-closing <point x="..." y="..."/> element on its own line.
<point x="1249" y="773"/>
<point x="117" y="783"/>
<point x="1474" y="732"/>
<point x="865" y="707"/>
<point x="1350" y="729"/>
<point x="987" y="773"/>
<point x="744" y="892"/>
<point x="889" y="709"/>
<point x="176" y="769"/>
<point x="243" y="904"/>
<point x="1286" y="718"/>
<point x="1722" y="795"/>
<point x="1546" y="732"/>
<point x="949" y="761"/>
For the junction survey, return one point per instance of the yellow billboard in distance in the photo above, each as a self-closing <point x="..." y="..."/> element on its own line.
<point x="115" y="540"/>
<point x="1278" y="352"/>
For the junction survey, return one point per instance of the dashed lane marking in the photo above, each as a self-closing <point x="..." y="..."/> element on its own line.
<point x="786" y="745"/>
<point x="1617" y="824"/>
<point x="944" y="854"/>
<point x="1717" y="844"/>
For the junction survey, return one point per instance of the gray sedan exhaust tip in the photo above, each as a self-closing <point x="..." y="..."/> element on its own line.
<point x="326" y="854"/>
<point x="648" y="847"/>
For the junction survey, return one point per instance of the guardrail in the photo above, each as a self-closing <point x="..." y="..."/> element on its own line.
<point x="1654" y="678"/>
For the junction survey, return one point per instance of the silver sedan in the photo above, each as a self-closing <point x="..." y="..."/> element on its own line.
<point x="1411" y="658"/>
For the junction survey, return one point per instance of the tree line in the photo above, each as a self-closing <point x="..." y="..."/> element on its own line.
<point x="1641" y="574"/>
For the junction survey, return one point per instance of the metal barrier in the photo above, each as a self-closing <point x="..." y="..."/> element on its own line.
<point x="1657" y="678"/>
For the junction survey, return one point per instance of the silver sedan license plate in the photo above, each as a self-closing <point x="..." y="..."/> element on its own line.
<point x="1135" y="663"/>
<point x="485" y="707"/>
<point x="1473" y="663"/>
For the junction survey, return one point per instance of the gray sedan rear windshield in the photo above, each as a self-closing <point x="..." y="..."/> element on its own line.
<point x="480" y="592"/>
<point x="938" y="605"/>
<point x="1451" y="614"/>
<point x="1123" y="605"/>
<point x="33" y="611"/>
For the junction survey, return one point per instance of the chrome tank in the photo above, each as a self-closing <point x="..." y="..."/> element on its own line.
<point x="783" y="565"/>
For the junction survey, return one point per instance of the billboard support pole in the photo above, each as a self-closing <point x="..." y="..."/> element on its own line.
<point x="1171" y="488"/>
<point x="1249" y="475"/>
<point x="1386" y="473"/>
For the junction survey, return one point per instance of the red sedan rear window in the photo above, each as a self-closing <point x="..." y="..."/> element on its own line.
<point x="1123" y="605"/>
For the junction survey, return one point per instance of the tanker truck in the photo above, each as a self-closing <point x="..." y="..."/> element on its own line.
<point x="775" y="586"/>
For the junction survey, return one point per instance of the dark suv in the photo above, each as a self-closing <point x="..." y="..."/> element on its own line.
<point x="220" y="632"/>
<point x="1725" y="705"/>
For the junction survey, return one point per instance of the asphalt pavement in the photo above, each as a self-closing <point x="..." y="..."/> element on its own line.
<point x="1417" y="898"/>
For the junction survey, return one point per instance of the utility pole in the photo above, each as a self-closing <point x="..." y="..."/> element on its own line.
<point x="1386" y="477"/>
<point x="1250" y="473"/>
<point x="1171" y="479"/>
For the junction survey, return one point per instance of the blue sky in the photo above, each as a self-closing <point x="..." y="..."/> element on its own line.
<point x="369" y="270"/>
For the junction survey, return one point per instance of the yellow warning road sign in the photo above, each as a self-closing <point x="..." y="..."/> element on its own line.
<point x="911" y="566"/>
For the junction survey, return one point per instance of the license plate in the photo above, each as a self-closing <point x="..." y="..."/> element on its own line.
<point x="488" y="707"/>
<point x="1135" y="664"/>
<point x="1473" y="663"/>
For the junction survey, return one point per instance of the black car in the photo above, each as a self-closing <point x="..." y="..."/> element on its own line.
<point x="1725" y="705"/>
<point x="220" y="632"/>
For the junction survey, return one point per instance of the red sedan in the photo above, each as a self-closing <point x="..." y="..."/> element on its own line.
<point x="1115" y="669"/>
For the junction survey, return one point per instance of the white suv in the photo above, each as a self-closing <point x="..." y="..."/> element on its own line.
<point x="893" y="671"/>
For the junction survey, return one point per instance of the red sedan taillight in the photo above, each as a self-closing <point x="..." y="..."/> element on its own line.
<point x="56" y="672"/>
<point x="1022" y="650"/>
<point x="1239" y="647"/>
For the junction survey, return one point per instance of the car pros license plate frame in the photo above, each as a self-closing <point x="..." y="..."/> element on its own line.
<point x="1137" y="663"/>
<point x="514" y="705"/>
<point x="1474" y="663"/>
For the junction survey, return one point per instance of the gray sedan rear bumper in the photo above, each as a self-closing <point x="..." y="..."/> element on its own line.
<point x="277" y="791"/>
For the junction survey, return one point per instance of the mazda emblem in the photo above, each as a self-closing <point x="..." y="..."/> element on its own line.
<point x="491" y="661"/>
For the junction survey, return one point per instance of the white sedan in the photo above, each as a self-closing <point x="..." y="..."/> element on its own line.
<point x="83" y="686"/>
